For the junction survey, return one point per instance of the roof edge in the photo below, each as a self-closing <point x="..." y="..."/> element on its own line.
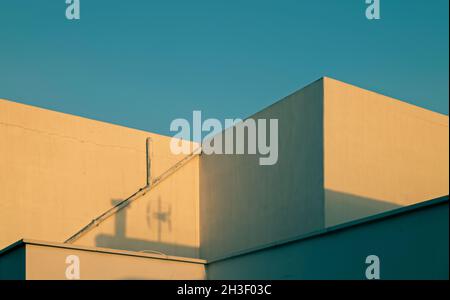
<point x="26" y="241"/>
<point x="370" y="219"/>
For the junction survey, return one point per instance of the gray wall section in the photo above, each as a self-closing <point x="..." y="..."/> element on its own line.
<point x="244" y="205"/>
<point x="412" y="245"/>
<point x="12" y="264"/>
<point x="342" y="207"/>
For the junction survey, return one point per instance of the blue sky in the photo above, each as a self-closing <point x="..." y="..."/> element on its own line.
<point x="143" y="63"/>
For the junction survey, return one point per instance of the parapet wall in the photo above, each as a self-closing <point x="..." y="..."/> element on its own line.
<point x="379" y="153"/>
<point x="58" y="172"/>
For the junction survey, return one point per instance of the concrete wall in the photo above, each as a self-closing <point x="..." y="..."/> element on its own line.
<point x="379" y="153"/>
<point x="58" y="172"/>
<point x="165" y="219"/>
<point x="344" y="153"/>
<point x="244" y="205"/>
<point x="410" y="245"/>
<point x="48" y="261"/>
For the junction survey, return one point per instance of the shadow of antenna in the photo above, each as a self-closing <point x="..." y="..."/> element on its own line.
<point x="160" y="216"/>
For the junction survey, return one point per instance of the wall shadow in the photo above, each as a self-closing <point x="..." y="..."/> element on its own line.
<point x="342" y="207"/>
<point x="156" y="217"/>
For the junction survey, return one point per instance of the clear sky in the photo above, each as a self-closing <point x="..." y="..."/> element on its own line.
<point x="143" y="63"/>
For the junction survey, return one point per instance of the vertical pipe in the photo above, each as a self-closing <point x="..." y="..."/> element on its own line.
<point x="149" y="160"/>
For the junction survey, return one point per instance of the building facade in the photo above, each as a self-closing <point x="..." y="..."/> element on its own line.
<point x="358" y="174"/>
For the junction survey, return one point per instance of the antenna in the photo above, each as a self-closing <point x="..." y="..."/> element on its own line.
<point x="149" y="144"/>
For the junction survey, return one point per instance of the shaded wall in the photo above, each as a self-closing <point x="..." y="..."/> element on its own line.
<point x="244" y="205"/>
<point x="379" y="153"/>
<point x="58" y="172"/>
<point x="12" y="264"/>
<point x="412" y="245"/>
